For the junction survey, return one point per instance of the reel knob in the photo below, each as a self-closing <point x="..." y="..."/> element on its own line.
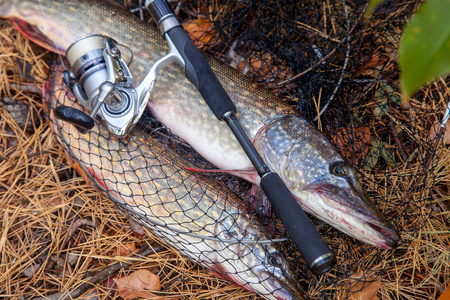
<point x="82" y="121"/>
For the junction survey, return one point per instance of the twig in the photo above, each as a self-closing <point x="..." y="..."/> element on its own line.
<point x="344" y="67"/>
<point x="10" y="158"/>
<point x="324" y="35"/>
<point x="141" y="12"/>
<point x="69" y="235"/>
<point x="284" y="82"/>
<point x="27" y="88"/>
<point x="102" y="275"/>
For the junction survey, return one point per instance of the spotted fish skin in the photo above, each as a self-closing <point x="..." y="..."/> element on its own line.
<point x="291" y="146"/>
<point x="202" y="219"/>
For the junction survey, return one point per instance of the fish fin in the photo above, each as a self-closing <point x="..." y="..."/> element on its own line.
<point x="99" y="183"/>
<point x="261" y="205"/>
<point x="220" y="272"/>
<point x="260" y="201"/>
<point x="46" y="94"/>
<point x="241" y="173"/>
<point x="35" y="35"/>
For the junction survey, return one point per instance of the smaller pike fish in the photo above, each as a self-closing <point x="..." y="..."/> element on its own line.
<point x="191" y="212"/>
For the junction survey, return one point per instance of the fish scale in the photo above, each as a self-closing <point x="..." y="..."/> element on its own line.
<point x="202" y="219"/>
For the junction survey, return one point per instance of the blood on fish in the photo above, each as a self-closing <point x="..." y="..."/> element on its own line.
<point x="96" y="178"/>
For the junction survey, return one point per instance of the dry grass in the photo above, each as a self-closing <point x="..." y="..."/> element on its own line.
<point x="55" y="224"/>
<point x="43" y="200"/>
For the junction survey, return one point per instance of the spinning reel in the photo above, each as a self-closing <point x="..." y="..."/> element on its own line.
<point x="102" y="82"/>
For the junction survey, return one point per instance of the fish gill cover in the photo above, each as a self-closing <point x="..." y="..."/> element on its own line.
<point x="337" y="69"/>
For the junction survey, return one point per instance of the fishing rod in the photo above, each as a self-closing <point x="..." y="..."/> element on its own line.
<point x="102" y="82"/>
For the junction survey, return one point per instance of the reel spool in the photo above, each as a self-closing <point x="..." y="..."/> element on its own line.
<point x="102" y="83"/>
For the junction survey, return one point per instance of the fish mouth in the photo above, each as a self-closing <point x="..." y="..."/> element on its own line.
<point x="353" y="213"/>
<point x="285" y="289"/>
<point x="389" y="233"/>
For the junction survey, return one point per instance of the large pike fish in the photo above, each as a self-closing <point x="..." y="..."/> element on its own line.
<point x="203" y="220"/>
<point x="320" y="179"/>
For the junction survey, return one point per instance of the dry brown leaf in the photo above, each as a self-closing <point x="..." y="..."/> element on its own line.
<point x="200" y="30"/>
<point x="435" y="130"/>
<point x="361" y="291"/>
<point x="373" y="66"/>
<point x="353" y="143"/>
<point x="367" y="293"/>
<point x="446" y="294"/>
<point x="139" y="284"/>
<point x="125" y="250"/>
<point x="265" y="66"/>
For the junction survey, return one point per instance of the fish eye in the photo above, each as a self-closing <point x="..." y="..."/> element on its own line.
<point x="338" y="169"/>
<point x="275" y="260"/>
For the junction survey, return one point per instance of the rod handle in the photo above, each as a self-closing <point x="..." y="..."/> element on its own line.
<point x="316" y="253"/>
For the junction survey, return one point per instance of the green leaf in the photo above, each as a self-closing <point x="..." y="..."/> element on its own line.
<point x="385" y="92"/>
<point x="373" y="155"/>
<point x="371" y="6"/>
<point x="424" y="52"/>
<point x="381" y="109"/>
<point x="388" y="157"/>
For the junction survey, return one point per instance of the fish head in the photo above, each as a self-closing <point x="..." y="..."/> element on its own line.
<point x="322" y="181"/>
<point x="252" y="261"/>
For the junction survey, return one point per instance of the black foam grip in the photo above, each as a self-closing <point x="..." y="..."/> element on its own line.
<point x="199" y="72"/>
<point x="316" y="253"/>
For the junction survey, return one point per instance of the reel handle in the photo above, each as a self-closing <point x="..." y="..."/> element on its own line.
<point x="82" y="121"/>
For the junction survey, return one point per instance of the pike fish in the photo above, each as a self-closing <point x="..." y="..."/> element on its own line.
<point x="321" y="180"/>
<point x="202" y="219"/>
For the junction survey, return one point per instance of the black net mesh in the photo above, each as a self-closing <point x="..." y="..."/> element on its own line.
<point x="336" y="68"/>
<point x="195" y="214"/>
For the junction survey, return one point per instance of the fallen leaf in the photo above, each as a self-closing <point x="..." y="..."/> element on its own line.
<point x="139" y="284"/>
<point x="363" y="290"/>
<point x="353" y="144"/>
<point x="200" y="30"/>
<point x="388" y="156"/>
<point x="367" y="293"/>
<point x="446" y="294"/>
<point x="434" y="130"/>
<point x="372" y="157"/>
<point x="31" y="270"/>
<point x="136" y="228"/>
<point x="373" y="65"/>
<point x="125" y="250"/>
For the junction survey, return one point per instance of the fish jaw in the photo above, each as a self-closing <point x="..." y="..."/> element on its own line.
<point x="324" y="184"/>
<point x="362" y="221"/>
<point x="251" y="263"/>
